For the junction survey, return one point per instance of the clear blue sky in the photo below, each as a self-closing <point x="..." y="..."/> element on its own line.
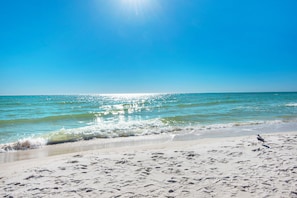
<point x="122" y="46"/>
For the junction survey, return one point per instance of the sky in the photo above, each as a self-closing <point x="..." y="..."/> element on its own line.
<point x="147" y="46"/>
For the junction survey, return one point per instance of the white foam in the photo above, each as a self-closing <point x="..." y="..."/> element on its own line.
<point x="125" y="128"/>
<point x="24" y="144"/>
<point x="291" y="105"/>
<point x="235" y="124"/>
<point x="108" y="129"/>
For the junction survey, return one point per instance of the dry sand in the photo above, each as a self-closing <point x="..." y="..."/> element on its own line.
<point x="221" y="167"/>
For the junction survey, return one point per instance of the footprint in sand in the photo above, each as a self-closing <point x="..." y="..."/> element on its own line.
<point x="33" y="177"/>
<point x="235" y="154"/>
<point x="123" y="161"/>
<point x="72" y="161"/>
<point x="172" y="181"/>
<point x="42" y="170"/>
<point x="157" y="156"/>
<point x="77" y="156"/>
<point x="81" y="166"/>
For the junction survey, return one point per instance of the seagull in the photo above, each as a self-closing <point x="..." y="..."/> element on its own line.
<point x="260" y="138"/>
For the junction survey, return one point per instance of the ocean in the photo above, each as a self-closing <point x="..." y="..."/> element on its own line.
<point x="54" y="119"/>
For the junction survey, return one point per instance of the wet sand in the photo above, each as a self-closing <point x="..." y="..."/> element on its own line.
<point x="217" y="167"/>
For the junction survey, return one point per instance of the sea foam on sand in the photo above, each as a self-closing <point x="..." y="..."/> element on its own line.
<point x="218" y="167"/>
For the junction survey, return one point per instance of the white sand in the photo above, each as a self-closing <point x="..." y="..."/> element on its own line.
<point x="222" y="167"/>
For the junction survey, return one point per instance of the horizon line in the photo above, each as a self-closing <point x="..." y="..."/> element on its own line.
<point x="146" y="93"/>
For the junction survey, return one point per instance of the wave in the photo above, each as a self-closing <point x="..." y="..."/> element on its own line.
<point x="241" y="124"/>
<point x="128" y="129"/>
<point x="196" y="118"/>
<point x="10" y="104"/>
<point x="291" y="105"/>
<point x="98" y="130"/>
<point x="106" y="129"/>
<point x="49" y="119"/>
<point x="24" y="144"/>
<point x="206" y="104"/>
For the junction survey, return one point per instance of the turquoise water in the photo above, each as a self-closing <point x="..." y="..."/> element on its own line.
<point x="57" y="119"/>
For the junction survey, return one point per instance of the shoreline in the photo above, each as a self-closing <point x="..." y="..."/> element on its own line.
<point x="132" y="141"/>
<point x="82" y="146"/>
<point x="212" y="167"/>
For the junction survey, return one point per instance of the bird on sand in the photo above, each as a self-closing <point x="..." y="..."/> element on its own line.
<point x="260" y="138"/>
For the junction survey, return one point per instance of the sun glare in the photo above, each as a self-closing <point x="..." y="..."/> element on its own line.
<point x="138" y="7"/>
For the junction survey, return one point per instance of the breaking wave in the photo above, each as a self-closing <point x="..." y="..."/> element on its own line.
<point x="153" y="127"/>
<point x="291" y="105"/>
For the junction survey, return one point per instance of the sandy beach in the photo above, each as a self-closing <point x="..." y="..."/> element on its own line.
<point x="216" y="167"/>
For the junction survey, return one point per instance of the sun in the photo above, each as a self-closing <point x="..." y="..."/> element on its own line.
<point x="138" y="7"/>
